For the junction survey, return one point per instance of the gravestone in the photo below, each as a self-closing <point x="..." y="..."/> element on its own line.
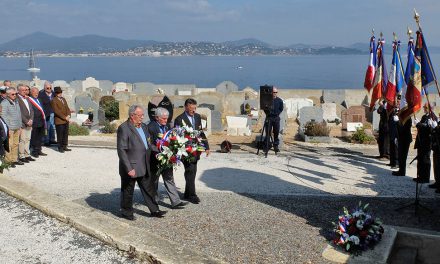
<point x="209" y="106"/>
<point x="293" y="105"/>
<point x="250" y="93"/>
<point x="69" y="95"/>
<point x="309" y="113"/>
<point x="101" y="116"/>
<point x="86" y="103"/>
<point x="121" y="87"/>
<point x="188" y="93"/>
<point x="226" y="87"/>
<point x="122" y="96"/>
<point x="238" y="126"/>
<point x="253" y="106"/>
<point x="89" y="82"/>
<point x="206" y="116"/>
<point x="334" y="96"/>
<point x="76" y="85"/>
<point x="283" y="120"/>
<point x="106" y="86"/>
<point x="354" y="114"/>
<point x="212" y="98"/>
<point x="329" y="110"/>
<point x="95" y="92"/>
<point x="216" y="121"/>
<point x="352" y="126"/>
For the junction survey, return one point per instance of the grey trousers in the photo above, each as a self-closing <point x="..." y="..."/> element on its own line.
<point x="170" y="186"/>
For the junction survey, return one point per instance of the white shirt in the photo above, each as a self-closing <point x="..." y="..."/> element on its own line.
<point x="25" y="102"/>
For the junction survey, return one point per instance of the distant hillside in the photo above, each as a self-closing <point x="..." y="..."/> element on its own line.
<point x="42" y="42"/>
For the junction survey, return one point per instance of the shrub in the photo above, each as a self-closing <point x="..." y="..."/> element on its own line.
<point x="77" y="130"/>
<point x="108" y="128"/>
<point x="111" y="110"/>
<point x="313" y="129"/>
<point x="361" y="137"/>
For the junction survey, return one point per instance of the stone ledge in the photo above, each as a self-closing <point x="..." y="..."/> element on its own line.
<point x="145" y="245"/>
<point x="379" y="255"/>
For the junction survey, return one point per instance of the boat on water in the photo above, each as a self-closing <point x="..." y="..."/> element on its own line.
<point x="32" y="67"/>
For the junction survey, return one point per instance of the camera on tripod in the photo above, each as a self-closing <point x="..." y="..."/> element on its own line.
<point x="266" y="98"/>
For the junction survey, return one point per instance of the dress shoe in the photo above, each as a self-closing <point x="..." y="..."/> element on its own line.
<point x="35" y="155"/>
<point x="24" y="160"/>
<point x="394" y="167"/>
<point x="398" y="173"/>
<point x="47" y="144"/>
<point x="433" y="186"/>
<point x="53" y="142"/>
<point x="67" y="149"/>
<point x="179" y="205"/>
<point x="42" y="154"/>
<point x="12" y="165"/>
<point x="194" y="199"/>
<point x="30" y="159"/>
<point x="276" y="149"/>
<point x="128" y="217"/>
<point x="18" y="162"/>
<point x="420" y="181"/>
<point x="158" y="214"/>
<point x="61" y="150"/>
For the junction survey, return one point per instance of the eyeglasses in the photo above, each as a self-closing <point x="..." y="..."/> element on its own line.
<point x="274" y="92"/>
<point x="48" y="88"/>
<point x="13" y="94"/>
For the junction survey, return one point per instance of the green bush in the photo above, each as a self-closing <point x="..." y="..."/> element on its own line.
<point x="108" y="128"/>
<point x="313" y="129"/>
<point x="361" y="137"/>
<point x="77" y="130"/>
<point x="111" y="110"/>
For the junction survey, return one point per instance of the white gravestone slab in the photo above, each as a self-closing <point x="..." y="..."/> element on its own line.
<point x="329" y="112"/>
<point x="351" y="126"/>
<point x="89" y="82"/>
<point x="293" y="105"/>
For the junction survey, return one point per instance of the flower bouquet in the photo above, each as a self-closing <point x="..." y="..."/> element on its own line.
<point x="177" y="145"/>
<point x="357" y="230"/>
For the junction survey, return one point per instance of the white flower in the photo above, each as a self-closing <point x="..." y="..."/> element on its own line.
<point x="354" y="239"/>
<point x="1" y="163"/>
<point x="182" y="151"/>
<point x="360" y="224"/>
<point x="189" y="129"/>
<point x="357" y="213"/>
<point x="166" y="151"/>
<point x="181" y="140"/>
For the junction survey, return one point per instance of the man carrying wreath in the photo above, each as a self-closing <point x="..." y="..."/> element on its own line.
<point x="156" y="129"/>
<point x="191" y="119"/>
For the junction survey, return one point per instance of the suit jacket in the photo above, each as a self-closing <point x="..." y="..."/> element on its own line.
<point x="131" y="150"/>
<point x="38" y="117"/>
<point x="45" y="102"/>
<point x="198" y="125"/>
<point x="61" y="110"/>
<point x="26" y="114"/>
<point x="423" y="139"/>
<point x="4" y="138"/>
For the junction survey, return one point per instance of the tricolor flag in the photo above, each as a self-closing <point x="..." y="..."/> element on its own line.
<point x="395" y="79"/>
<point x="413" y="76"/>
<point x="369" y="76"/>
<point x="428" y="74"/>
<point x="380" y="77"/>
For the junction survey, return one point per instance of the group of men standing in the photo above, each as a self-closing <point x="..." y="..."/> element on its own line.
<point x="395" y="139"/>
<point x="28" y="120"/>
<point x="136" y="146"/>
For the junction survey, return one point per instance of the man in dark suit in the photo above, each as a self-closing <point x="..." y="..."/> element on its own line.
<point x="383" y="139"/>
<point x="194" y="120"/>
<point x="423" y="146"/>
<point x="38" y="124"/>
<point x="274" y="117"/>
<point x="404" y="138"/>
<point x="46" y="96"/>
<point x="134" y="166"/>
<point x="155" y="130"/>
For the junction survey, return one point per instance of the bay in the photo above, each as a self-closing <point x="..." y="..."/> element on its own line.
<point x="293" y="72"/>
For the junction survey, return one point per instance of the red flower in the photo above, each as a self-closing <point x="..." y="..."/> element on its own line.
<point x="352" y="230"/>
<point x="173" y="159"/>
<point x="188" y="136"/>
<point x="189" y="149"/>
<point x="196" y="153"/>
<point x="158" y="144"/>
<point x="363" y="233"/>
<point x="173" y="138"/>
<point x="166" y="143"/>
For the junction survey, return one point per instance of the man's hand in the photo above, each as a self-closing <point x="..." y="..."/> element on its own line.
<point x="207" y="152"/>
<point x="29" y="123"/>
<point x="67" y="118"/>
<point x="132" y="173"/>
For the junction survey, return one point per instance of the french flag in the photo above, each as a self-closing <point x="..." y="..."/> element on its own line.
<point x="396" y="77"/>
<point x="369" y="76"/>
<point x="380" y="77"/>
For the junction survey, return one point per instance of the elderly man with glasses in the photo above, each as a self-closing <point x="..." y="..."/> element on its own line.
<point x="46" y="96"/>
<point x="12" y="115"/>
<point x="274" y="116"/>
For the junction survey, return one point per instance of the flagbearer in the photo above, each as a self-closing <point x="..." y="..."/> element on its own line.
<point x="39" y="124"/>
<point x="423" y="145"/>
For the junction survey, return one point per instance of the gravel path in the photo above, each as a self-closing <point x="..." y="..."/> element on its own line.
<point x="28" y="236"/>
<point x="253" y="210"/>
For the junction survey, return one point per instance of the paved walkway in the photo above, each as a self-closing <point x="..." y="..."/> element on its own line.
<point x="254" y="209"/>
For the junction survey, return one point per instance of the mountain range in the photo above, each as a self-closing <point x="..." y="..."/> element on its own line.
<point x="45" y="43"/>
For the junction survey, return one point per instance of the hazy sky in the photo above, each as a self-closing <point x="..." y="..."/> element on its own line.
<point x="280" y="22"/>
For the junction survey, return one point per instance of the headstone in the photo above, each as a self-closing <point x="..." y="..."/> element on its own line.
<point x="89" y="82"/>
<point x="351" y="126"/>
<point x="101" y="116"/>
<point x="122" y="96"/>
<point x="250" y="93"/>
<point x="226" y="87"/>
<point x="216" y="121"/>
<point x="188" y="93"/>
<point x="69" y="95"/>
<point x="76" y="85"/>
<point x="334" y="96"/>
<point x="206" y="113"/>
<point x="253" y="106"/>
<point x="329" y="111"/>
<point x="376" y="120"/>
<point x="309" y="113"/>
<point x="121" y="87"/>
<point x="238" y="126"/>
<point x="354" y="114"/>
<point x="210" y="106"/>
<point x="293" y="105"/>
<point x="283" y="120"/>
<point x="211" y="98"/>
<point x="86" y="103"/>
<point x="106" y="86"/>
<point x="95" y="92"/>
